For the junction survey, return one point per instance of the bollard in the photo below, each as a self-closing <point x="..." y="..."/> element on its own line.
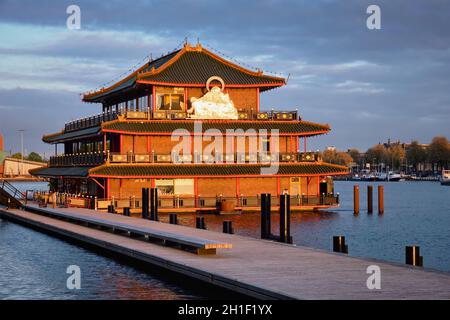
<point x="356" y="199"/>
<point x="228" y="227"/>
<point x="126" y="211"/>
<point x="265" y="216"/>
<point x="413" y="257"/>
<point x="380" y="199"/>
<point x="173" y="218"/>
<point x="154" y="204"/>
<point x="200" y="223"/>
<point x="369" y="199"/>
<point x="145" y="203"/>
<point x="339" y="244"/>
<point x="285" y="218"/>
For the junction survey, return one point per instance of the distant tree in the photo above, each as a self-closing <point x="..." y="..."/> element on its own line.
<point x="17" y="155"/>
<point x="377" y="154"/>
<point x="416" y="154"/>
<point x="355" y="154"/>
<point x="395" y="156"/>
<point x="439" y="152"/>
<point x="33" y="156"/>
<point x="337" y="157"/>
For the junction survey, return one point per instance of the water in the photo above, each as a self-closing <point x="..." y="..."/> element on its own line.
<point x="33" y="265"/>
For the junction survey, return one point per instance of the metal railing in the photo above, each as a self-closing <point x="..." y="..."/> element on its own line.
<point x="179" y="201"/>
<point x="91" y="121"/>
<point x="243" y="114"/>
<point x="12" y="191"/>
<point x="86" y="159"/>
<point x="99" y="158"/>
<point x="219" y="158"/>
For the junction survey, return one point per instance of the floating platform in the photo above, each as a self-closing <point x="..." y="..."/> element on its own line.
<point x="257" y="268"/>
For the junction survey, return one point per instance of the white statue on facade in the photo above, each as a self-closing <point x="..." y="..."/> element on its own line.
<point x="214" y="104"/>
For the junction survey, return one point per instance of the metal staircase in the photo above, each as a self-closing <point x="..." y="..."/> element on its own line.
<point x="10" y="195"/>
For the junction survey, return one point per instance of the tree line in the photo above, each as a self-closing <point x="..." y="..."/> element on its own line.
<point x="411" y="157"/>
<point x="32" y="156"/>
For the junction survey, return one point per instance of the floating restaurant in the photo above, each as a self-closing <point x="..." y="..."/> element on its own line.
<point x="190" y="124"/>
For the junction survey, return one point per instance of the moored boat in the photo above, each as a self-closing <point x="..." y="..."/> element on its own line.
<point x="445" y="179"/>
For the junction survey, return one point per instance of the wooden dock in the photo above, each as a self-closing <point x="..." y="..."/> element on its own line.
<point x="257" y="268"/>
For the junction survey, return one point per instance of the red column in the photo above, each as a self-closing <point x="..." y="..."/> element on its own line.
<point x="257" y="99"/>
<point x="278" y="186"/>
<point x="154" y="98"/>
<point x="238" y="189"/>
<point x="305" y="144"/>
<point x="318" y="185"/>
<point x="107" y="186"/>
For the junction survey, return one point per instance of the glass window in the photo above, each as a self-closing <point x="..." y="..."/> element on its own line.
<point x="184" y="186"/>
<point x="170" y="99"/>
<point x="165" y="186"/>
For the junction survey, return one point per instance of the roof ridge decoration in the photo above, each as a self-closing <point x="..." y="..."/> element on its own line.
<point x="153" y="72"/>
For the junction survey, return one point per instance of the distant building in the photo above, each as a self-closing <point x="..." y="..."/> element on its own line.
<point x="13" y="167"/>
<point x="2" y="155"/>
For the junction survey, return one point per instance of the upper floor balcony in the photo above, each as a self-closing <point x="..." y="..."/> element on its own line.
<point x="99" y="158"/>
<point x="243" y="114"/>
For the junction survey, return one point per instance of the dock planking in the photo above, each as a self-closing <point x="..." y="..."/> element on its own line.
<point x="258" y="268"/>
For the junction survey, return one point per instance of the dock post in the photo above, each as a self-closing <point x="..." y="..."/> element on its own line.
<point x="173" y="218"/>
<point x="370" y="199"/>
<point x="413" y="257"/>
<point x="154" y="204"/>
<point x="380" y="199"/>
<point x="200" y="223"/>
<point x="339" y="244"/>
<point x="265" y="216"/>
<point x="228" y="227"/>
<point x="356" y="199"/>
<point x="145" y="203"/>
<point x="285" y="218"/>
<point x="126" y="211"/>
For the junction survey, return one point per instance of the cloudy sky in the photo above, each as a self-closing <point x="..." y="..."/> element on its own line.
<point x="369" y="85"/>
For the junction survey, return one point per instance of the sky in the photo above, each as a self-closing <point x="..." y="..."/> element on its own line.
<point x="369" y="85"/>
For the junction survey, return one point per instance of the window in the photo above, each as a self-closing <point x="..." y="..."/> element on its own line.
<point x="175" y="186"/>
<point x="170" y="99"/>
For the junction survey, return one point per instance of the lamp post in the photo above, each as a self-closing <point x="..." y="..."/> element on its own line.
<point x="21" y="150"/>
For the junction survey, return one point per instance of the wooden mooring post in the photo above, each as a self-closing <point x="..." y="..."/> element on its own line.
<point x="339" y="244"/>
<point x="228" y="227"/>
<point x="369" y="199"/>
<point x="200" y="223"/>
<point x="356" y="199"/>
<point x="413" y="257"/>
<point x="265" y="216"/>
<point x="380" y="199"/>
<point x="154" y="204"/>
<point x="145" y="194"/>
<point x="285" y="218"/>
<point x="173" y="219"/>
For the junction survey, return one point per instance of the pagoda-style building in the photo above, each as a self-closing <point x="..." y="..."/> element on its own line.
<point x="190" y="124"/>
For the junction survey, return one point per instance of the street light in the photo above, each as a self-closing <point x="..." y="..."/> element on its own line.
<point x="21" y="150"/>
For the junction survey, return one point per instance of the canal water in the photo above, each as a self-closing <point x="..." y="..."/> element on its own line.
<point x="33" y="265"/>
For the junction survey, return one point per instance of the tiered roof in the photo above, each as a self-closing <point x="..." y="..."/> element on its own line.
<point x="188" y="67"/>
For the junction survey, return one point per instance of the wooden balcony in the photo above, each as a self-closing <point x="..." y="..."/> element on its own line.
<point x="96" y="120"/>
